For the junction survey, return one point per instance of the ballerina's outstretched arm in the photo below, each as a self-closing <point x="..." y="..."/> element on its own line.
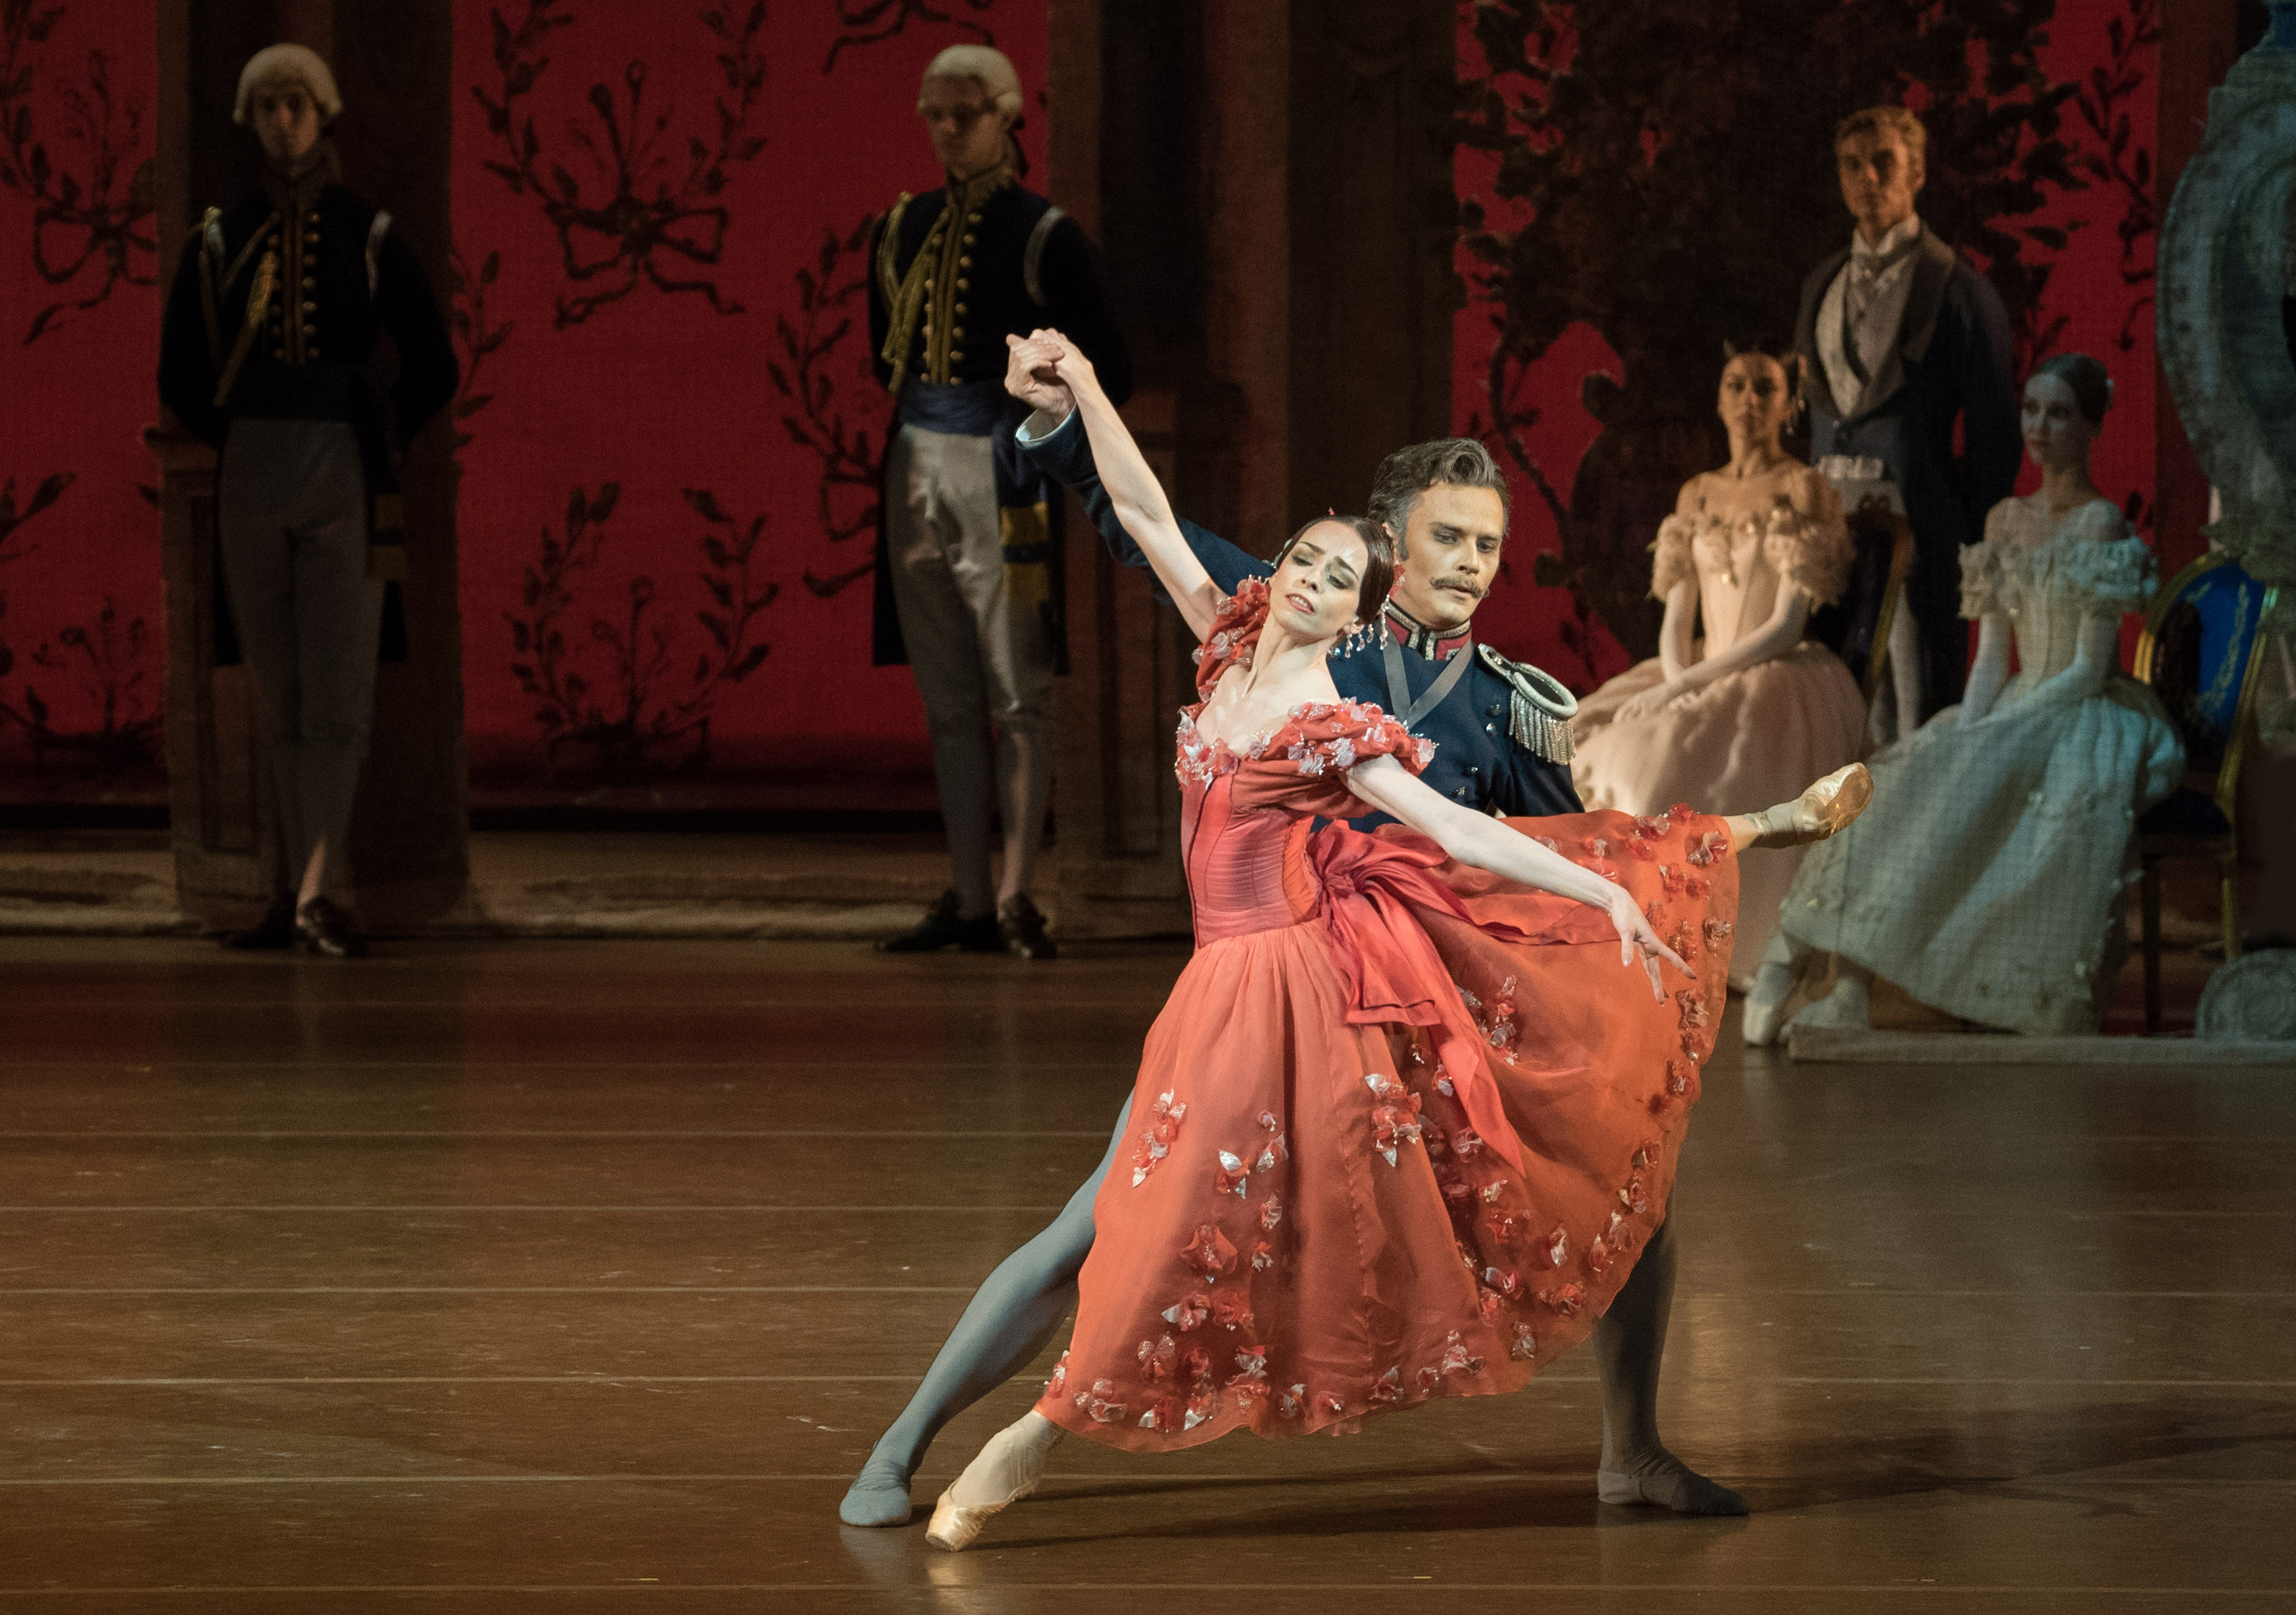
<point x="1487" y="843"/>
<point x="1131" y="489"/>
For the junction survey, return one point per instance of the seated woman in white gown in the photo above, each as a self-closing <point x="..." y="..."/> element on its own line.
<point x="1988" y="883"/>
<point x="1728" y="722"/>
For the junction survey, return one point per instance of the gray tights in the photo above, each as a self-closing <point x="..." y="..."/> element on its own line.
<point x="1021" y="1305"/>
<point x="1007" y="1322"/>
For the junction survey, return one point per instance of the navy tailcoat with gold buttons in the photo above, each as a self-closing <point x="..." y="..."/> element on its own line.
<point x="952" y="273"/>
<point x="339" y="279"/>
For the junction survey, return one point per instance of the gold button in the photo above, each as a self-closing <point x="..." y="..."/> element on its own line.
<point x="967" y="236"/>
<point x="313" y="215"/>
<point x="963" y="285"/>
<point x="960" y="307"/>
<point x="310" y="282"/>
<point x="956" y="333"/>
<point x="279" y="353"/>
<point x="964" y="260"/>
<point x="956" y="358"/>
<point x="973" y="218"/>
<point x="310" y="307"/>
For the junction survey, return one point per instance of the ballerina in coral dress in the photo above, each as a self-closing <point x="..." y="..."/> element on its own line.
<point x="1404" y="1125"/>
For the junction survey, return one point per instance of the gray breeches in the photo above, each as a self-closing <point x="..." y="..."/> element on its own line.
<point x="981" y="658"/>
<point x="291" y="518"/>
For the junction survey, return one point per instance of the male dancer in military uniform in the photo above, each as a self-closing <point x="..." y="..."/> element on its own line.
<point x="969" y="588"/>
<point x="1503" y="729"/>
<point x="270" y="323"/>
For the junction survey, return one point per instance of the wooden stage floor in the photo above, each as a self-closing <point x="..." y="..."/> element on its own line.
<point x="580" y="1276"/>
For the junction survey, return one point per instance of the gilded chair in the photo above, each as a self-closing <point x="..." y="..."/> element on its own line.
<point x="2200" y="652"/>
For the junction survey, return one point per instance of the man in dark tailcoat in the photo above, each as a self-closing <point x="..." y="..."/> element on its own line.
<point x="1901" y="339"/>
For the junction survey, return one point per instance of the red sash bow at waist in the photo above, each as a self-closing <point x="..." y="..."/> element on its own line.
<point x="1370" y="886"/>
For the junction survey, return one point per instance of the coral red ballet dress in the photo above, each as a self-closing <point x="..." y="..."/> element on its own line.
<point x="1403" y="1126"/>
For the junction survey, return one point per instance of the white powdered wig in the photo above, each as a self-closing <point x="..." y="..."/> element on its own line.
<point x="295" y="63"/>
<point x="986" y="64"/>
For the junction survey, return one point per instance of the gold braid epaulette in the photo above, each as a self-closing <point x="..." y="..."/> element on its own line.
<point x="902" y="298"/>
<point x="933" y="275"/>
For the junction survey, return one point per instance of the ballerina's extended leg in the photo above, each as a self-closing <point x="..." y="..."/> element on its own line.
<point x="1007" y="1322"/>
<point x="1826" y="808"/>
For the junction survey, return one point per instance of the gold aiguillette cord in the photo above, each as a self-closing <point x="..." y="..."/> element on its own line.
<point x="259" y="300"/>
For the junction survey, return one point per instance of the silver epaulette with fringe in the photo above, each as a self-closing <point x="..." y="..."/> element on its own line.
<point x="1539" y="709"/>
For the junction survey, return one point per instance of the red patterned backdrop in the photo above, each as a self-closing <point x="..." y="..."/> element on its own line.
<point x="80" y="645"/>
<point x="668" y="494"/>
<point x="669" y="428"/>
<point x="2049" y="107"/>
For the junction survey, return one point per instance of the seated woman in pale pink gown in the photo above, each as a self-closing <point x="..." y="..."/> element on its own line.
<point x="1730" y="719"/>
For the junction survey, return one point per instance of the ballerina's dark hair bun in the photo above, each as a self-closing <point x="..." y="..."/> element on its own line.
<point x="2091" y="384"/>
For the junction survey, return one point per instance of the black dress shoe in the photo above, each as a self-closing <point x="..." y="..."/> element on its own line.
<point x="941" y="928"/>
<point x="276" y="928"/>
<point x="322" y="928"/>
<point x="1022" y="930"/>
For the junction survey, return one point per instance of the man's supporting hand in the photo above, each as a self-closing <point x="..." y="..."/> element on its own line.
<point x="1029" y="376"/>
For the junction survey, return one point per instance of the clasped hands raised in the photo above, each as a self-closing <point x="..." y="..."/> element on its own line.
<point x="1042" y="369"/>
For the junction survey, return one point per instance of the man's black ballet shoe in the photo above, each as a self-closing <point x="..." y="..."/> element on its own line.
<point x="1682" y="1490"/>
<point x="1021" y="928"/>
<point x="942" y="928"/>
<point x="324" y="930"/>
<point x="275" y="929"/>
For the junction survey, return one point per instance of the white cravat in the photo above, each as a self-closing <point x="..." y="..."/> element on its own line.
<point x="1862" y="310"/>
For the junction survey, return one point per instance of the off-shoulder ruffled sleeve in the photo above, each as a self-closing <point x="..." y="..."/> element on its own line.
<point x="1812" y="552"/>
<point x="1982" y="593"/>
<point x="1981" y="580"/>
<point x="2110" y="564"/>
<point x="1327" y="738"/>
<point x="1234" y="635"/>
<point x="1303" y="765"/>
<point x="1671" y="562"/>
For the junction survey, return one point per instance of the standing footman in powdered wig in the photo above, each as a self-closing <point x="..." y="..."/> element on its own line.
<point x="969" y="580"/>
<point x="270" y="323"/>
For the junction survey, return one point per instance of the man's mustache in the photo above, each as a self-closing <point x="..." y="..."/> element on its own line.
<point x="1468" y="584"/>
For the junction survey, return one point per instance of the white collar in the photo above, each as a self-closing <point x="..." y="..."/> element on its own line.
<point x="1898" y="242"/>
